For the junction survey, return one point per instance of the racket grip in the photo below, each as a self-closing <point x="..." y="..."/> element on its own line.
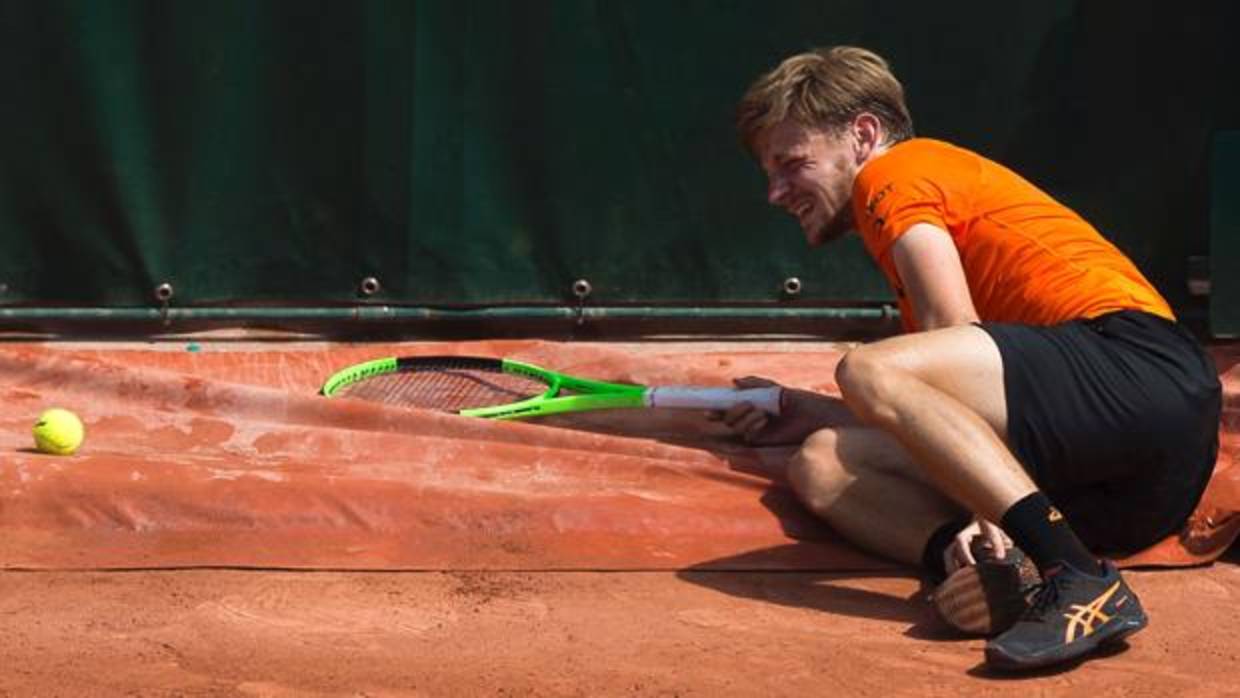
<point x="765" y="399"/>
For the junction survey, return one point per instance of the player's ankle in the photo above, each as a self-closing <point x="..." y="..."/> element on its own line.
<point x="1044" y="534"/>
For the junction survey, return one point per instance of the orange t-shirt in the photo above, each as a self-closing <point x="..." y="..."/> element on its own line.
<point x="1027" y="258"/>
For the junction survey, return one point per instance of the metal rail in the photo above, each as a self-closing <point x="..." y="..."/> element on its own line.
<point x="387" y="313"/>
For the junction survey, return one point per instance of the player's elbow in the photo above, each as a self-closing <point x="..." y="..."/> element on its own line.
<point x="947" y="318"/>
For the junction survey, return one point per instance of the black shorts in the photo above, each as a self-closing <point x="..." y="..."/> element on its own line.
<point x="1116" y="419"/>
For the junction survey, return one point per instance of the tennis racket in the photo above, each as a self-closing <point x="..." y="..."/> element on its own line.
<point x="506" y="389"/>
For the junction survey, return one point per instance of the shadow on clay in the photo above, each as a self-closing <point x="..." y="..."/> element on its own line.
<point x="765" y="575"/>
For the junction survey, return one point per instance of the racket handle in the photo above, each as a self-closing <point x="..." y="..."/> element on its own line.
<point x="765" y="399"/>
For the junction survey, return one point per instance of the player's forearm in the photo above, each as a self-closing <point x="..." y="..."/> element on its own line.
<point x="827" y="411"/>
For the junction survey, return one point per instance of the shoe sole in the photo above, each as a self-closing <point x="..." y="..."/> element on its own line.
<point x="1108" y="634"/>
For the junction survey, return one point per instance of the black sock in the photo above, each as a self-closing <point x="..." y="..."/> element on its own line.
<point x="932" y="555"/>
<point x="1038" y="528"/>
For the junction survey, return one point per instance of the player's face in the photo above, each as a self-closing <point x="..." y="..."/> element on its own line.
<point x="810" y="175"/>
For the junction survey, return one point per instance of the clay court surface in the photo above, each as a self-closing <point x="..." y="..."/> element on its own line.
<point x="225" y="532"/>
<point x="272" y="633"/>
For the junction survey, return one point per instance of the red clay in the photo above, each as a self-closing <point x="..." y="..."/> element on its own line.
<point x="249" y="633"/>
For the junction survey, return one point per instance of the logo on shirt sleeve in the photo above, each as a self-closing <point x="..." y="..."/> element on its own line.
<point x="878" y="197"/>
<point x="873" y="203"/>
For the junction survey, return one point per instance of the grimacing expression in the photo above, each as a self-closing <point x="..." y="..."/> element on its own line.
<point x="810" y="174"/>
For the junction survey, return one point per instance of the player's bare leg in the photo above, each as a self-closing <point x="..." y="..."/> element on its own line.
<point x="856" y="477"/>
<point x="940" y="394"/>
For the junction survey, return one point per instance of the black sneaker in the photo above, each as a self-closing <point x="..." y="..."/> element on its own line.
<point x="1072" y="614"/>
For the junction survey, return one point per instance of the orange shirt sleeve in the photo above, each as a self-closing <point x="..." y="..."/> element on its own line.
<point x="892" y="205"/>
<point x="889" y="197"/>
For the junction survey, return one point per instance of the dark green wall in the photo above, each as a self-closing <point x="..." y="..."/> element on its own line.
<point x="492" y="152"/>
<point x="1225" y="234"/>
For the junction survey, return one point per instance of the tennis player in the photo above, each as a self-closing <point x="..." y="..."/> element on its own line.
<point x="1043" y="393"/>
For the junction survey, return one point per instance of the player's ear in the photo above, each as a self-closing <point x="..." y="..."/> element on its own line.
<point x="867" y="134"/>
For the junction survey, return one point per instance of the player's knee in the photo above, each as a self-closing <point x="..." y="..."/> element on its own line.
<point x="815" y="472"/>
<point x="863" y="381"/>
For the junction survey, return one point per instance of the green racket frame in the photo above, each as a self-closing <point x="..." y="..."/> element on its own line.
<point x="588" y="394"/>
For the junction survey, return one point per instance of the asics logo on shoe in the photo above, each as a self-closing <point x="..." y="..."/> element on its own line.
<point x="1085" y="619"/>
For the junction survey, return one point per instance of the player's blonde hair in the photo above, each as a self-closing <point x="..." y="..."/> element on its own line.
<point x="825" y="88"/>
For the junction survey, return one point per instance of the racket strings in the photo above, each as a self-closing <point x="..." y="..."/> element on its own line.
<point x="446" y="388"/>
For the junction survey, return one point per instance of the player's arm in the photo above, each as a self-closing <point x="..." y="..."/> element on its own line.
<point x="929" y="265"/>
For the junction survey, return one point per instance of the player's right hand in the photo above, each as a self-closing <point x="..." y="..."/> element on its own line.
<point x="801" y="413"/>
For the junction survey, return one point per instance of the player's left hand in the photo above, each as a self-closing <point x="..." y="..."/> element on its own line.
<point x="961" y="553"/>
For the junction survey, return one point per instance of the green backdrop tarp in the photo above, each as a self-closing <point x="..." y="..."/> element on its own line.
<point x="1225" y="235"/>
<point x="471" y="152"/>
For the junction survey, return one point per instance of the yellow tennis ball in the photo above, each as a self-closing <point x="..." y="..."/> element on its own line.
<point x="58" y="431"/>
